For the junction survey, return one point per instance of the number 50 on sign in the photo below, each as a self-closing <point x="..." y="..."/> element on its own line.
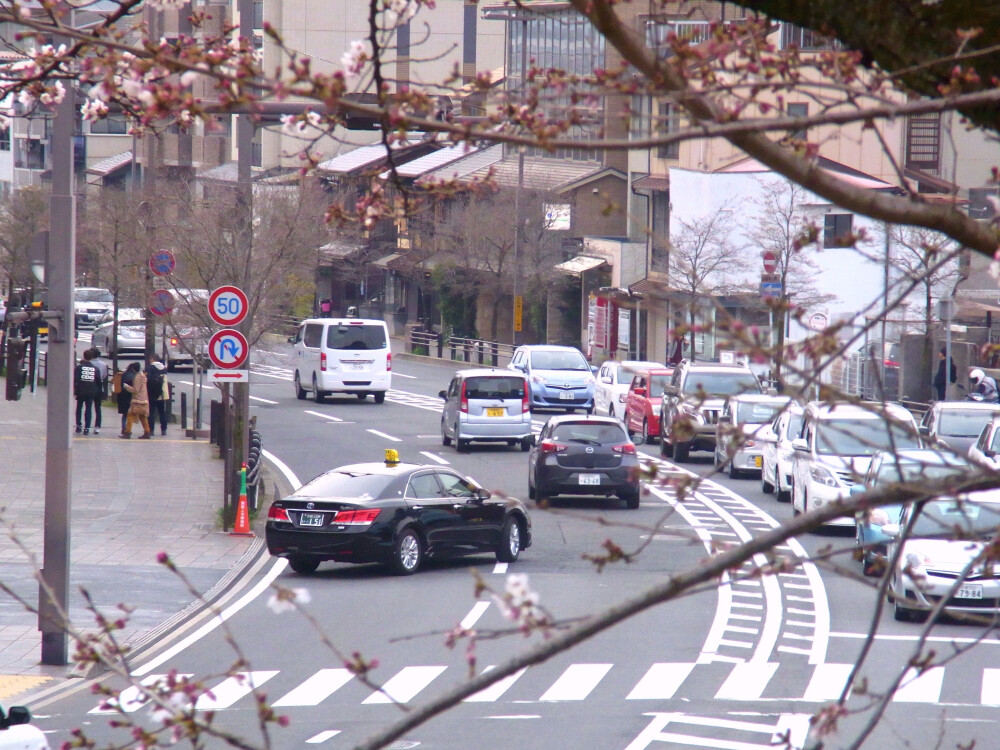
<point x="227" y="305"/>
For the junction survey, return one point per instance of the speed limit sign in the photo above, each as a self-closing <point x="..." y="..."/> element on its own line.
<point x="227" y="305"/>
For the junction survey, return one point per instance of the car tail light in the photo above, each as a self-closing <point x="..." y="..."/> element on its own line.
<point x="551" y="446"/>
<point x="463" y="403"/>
<point x="174" y="341"/>
<point x="748" y="443"/>
<point x="891" y="363"/>
<point x="322" y="361"/>
<point x="525" y="403"/>
<point x="388" y="362"/>
<point x="626" y="449"/>
<point x="277" y="513"/>
<point x="356" y="517"/>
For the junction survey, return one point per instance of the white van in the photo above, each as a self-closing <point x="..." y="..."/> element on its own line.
<point x="342" y="355"/>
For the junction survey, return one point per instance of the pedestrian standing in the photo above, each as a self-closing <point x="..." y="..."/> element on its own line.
<point x="123" y="395"/>
<point x="158" y="391"/>
<point x="940" y="385"/>
<point x="139" y="407"/>
<point x="102" y="371"/>
<point x="85" y="388"/>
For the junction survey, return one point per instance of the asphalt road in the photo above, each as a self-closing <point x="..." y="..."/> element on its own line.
<point x="726" y="668"/>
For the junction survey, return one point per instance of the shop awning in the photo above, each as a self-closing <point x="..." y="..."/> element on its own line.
<point x="579" y="264"/>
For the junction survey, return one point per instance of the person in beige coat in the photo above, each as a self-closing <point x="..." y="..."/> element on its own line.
<point x="139" y="408"/>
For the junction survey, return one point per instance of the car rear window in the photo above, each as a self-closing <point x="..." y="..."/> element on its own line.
<point x="963" y="423"/>
<point x="656" y="384"/>
<point x="339" y="484"/>
<point x="757" y="413"/>
<point x="93" y="295"/>
<point x="356" y="337"/>
<point x="721" y="383"/>
<point x="494" y="387"/>
<point x="590" y="433"/>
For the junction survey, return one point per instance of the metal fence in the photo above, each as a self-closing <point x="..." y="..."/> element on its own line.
<point x="459" y="349"/>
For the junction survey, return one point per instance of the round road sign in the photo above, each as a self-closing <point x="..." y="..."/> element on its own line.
<point x="770" y="261"/>
<point x="162" y="262"/>
<point x="161" y="302"/>
<point x="227" y="305"/>
<point x="818" y="321"/>
<point x="227" y="349"/>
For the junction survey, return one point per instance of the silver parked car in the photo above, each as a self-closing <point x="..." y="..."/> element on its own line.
<point x="744" y="418"/>
<point x="131" y="339"/>
<point x="487" y="406"/>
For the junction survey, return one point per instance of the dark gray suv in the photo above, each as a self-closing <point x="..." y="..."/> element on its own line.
<point x="692" y="402"/>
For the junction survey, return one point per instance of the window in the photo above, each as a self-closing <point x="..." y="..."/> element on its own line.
<point x="423" y="486"/>
<point x="669" y="122"/>
<point x="313" y="335"/>
<point x="805" y="39"/>
<point x="661" y="231"/>
<point x="923" y="141"/>
<point x="798" y="110"/>
<point x="455" y="486"/>
<point x="258" y="14"/>
<point x="110" y="125"/>
<point x="29" y="153"/>
<point x="838" y="230"/>
<point x="356" y="337"/>
<point x="5" y="139"/>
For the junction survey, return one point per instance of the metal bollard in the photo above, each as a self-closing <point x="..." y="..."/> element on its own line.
<point x="184" y="407"/>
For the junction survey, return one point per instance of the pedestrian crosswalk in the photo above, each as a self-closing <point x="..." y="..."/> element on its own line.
<point x="662" y="681"/>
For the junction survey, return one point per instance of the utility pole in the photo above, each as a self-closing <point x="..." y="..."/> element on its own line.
<point x="60" y="276"/>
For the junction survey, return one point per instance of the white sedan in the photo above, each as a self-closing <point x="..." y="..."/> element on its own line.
<point x="776" y="449"/>
<point x="613" y="379"/>
<point x="131" y="340"/>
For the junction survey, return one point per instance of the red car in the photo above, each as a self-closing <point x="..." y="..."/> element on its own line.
<point x="642" y="404"/>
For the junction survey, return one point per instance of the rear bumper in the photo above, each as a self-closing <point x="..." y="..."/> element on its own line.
<point x="556" y="480"/>
<point x="493" y="431"/>
<point x="349" y="382"/>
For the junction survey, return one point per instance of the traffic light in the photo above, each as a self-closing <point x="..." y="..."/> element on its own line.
<point x="17" y="375"/>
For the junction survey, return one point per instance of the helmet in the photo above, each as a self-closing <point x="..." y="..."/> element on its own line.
<point x="976" y="375"/>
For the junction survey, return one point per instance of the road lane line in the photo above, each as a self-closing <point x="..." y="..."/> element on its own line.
<point x="827" y="682"/>
<point x="576" y="682"/>
<point x="383" y="435"/>
<point x="404" y="685"/>
<point x="322" y="736"/>
<point x="433" y="457"/>
<point x="134" y="697"/>
<point x="499" y="569"/>
<point x="475" y="613"/>
<point x="922" y="688"/>
<point x="323" y="416"/>
<point x="661" y="681"/>
<point x="401" y="375"/>
<point x="496" y="690"/>
<point x="317" y="688"/>
<point x="230" y="690"/>
<point x="990" y="695"/>
<point x="747" y="681"/>
<point x="262" y="400"/>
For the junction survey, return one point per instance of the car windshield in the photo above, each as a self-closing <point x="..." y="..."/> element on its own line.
<point x="93" y="295"/>
<point x="342" y="484"/>
<point x="590" y="433"/>
<point x="756" y="413"/>
<point x="961" y="423"/>
<point x="494" y="387"/>
<point x="941" y="519"/>
<point x="892" y="472"/>
<point x="861" y="437"/>
<point x="356" y="337"/>
<point x="656" y="385"/>
<point x="721" y="383"/>
<point x="559" y="361"/>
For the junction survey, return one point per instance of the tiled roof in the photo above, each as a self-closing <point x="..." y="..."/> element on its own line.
<point x="112" y="164"/>
<point x="430" y="162"/>
<point x="539" y="174"/>
<point x="359" y="158"/>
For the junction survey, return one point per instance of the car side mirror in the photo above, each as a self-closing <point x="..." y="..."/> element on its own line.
<point x="640" y="391"/>
<point x="482" y="494"/>
<point x="800" y="444"/>
<point x="593" y="370"/>
<point x="443" y="394"/>
<point x="291" y="339"/>
<point x="519" y="366"/>
<point x="924" y="430"/>
<point x="858" y="489"/>
<point x="725" y="419"/>
<point x="18" y="715"/>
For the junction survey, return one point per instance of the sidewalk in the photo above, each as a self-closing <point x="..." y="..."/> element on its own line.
<point x="131" y="500"/>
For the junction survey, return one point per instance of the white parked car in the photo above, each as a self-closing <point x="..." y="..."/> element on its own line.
<point x="776" y="452"/>
<point x="836" y="448"/>
<point x="92" y="306"/>
<point x="18" y="733"/>
<point x="986" y="450"/>
<point x="613" y="380"/>
<point x="743" y="418"/>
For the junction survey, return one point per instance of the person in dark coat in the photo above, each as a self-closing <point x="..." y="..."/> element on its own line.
<point x="102" y="372"/>
<point x="86" y="387"/>
<point x="940" y="386"/>
<point x="124" y="395"/>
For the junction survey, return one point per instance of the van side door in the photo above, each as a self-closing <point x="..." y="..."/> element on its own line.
<point x="309" y="350"/>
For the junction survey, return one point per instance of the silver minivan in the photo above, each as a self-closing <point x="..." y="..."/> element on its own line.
<point x="487" y="406"/>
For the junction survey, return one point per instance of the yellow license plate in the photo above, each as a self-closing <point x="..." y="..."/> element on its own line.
<point x="756" y="461"/>
<point x="494" y="412"/>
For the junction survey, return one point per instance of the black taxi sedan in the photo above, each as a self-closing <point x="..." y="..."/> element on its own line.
<point x="393" y="513"/>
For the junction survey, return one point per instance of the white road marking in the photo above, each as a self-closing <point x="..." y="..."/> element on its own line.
<point x="133" y="697"/>
<point x="496" y="690"/>
<point x="317" y="688"/>
<point x="323" y="416"/>
<point x="922" y="688"/>
<point x="499" y="569"/>
<point x="913" y="638"/>
<point x="795" y="725"/>
<point x="477" y="611"/>
<point x="405" y="684"/>
<point x="990" y="694"/>
<point x="401" y="375"/>
<point x="661" y="681"/>
<point x="576" y="682"/>
<point x="322" y="736"/>
<point x="827" y="682"/>
<point x="230" y="690"/>
<point x="747" y="681"/>
<point x="383" y="435"/>
<point x="433" y="457"/>
<point x="262" y="400"/>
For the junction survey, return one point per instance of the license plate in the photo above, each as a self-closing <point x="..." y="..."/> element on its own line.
<point x="355" y="366"/>
<point x="970" y="591"/>
<point x="756" y="461"/>
<point x="566" y="396"/>
<point x="494" y="412"/>
<point x="590" y="479"/>
<point x="311" y="519"/>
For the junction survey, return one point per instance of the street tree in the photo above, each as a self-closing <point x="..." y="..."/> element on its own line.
<point x="23" y="215"/>
<point x="703" y="253"/>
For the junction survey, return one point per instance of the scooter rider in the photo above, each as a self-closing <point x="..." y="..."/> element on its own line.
<point x="984" y="385"/>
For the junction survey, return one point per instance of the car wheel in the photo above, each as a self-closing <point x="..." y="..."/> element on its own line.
<point x="631" y="499"/>
<point x="300" y="392"/>
<point x="666" y="447"/>
<point x="782" y="496"/>
<point x="379" y="397"/>
<point x="766" y="487"/>
<point x="510" y="542"/>
<point x="611" y="412"/>
<point x="407" y="553"/>
<point x="905" y="614"/>
<point x="646" y="437"/>
<point x="681" y="452"/>
<point x="362" y="396"/>
<point x="511" y="443"/>
<point x="318" y="396"/>
<point x="303" y="565"/>
<point x="445" y="440"/>
<point x="734" y="473"/>
<point x="531" y="490"/>
<point x="525" y="445"/>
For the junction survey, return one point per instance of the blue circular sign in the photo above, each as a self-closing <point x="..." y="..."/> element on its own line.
<point x="162" y="262"/>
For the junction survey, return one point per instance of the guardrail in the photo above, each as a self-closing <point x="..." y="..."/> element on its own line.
<point x="480" y="352"/>
<point x="427" y="343"/>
